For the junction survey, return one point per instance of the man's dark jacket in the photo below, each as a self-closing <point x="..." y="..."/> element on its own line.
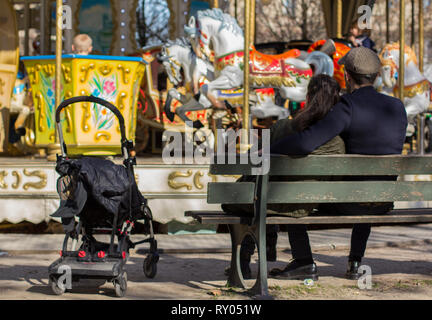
<point x="369" y="122"/>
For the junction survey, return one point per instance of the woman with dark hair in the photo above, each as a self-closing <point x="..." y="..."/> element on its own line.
<point x="322" y="94"/>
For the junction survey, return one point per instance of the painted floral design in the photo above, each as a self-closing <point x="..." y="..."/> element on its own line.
<point x="48" y="93"/>
<point x="105" y="88"/>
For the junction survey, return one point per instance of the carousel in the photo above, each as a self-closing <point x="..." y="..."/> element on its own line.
<point x="193" y="85"/>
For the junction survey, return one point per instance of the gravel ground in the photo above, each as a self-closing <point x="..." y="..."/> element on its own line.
<point x="397" y="273"/>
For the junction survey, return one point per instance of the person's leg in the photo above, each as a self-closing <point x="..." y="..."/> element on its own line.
<point x="359" y="237"/>
<point x="271" y="241"/>
<point x="302" y="266"/>
<point x="299" y="242"/>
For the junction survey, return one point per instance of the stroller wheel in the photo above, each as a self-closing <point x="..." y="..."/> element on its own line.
<point x="120" y="285"/>
<point x="55" y="287"/>
<point x="150" y="266"/>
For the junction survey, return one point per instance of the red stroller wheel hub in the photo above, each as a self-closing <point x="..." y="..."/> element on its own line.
<point x="81" y="254"/>
<point x="101" y="254"/>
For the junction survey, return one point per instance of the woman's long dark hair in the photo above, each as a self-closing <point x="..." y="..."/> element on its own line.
<point x="322" y="95"/>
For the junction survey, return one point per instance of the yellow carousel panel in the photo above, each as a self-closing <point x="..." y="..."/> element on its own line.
<point x="89" y="129"/>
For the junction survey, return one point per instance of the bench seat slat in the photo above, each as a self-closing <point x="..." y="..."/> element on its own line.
<point x="336" y="165"/>
<point x="323" y="191"/>
<point x="395" y="216"/>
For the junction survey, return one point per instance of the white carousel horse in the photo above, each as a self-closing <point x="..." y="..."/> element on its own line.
<point x="283" y="71"/>
<point x="416" y="85"/>
<point x="175" y="56"/>
<point x="179" y="54"/>
<point x="428" y="72"/>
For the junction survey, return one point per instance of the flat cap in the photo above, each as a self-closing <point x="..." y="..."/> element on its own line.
<point x="361" y="60"/>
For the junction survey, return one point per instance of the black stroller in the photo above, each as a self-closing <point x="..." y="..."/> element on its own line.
<point x="105" y="199"/>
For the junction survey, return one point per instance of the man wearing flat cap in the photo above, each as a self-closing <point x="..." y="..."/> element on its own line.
<point x="370" y="123"/>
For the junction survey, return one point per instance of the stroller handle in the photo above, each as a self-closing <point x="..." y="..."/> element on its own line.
<point x="93" y="99"/>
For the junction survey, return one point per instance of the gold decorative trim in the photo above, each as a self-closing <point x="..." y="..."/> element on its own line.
<point x="39" y="105"/>
<point x="124" y="71"/>
<point x="102" y="134"/>
<point x="66" y="73"/>
<point x="178" y="185"/>
<point x="17" y="175"/>
<point x="3" y="184"/>
<point x="86" y="70"/>
<point x="34" y="73"/>
<point x="272" y="81"/>
<point x="120" y="101"/>
<point x="86" y="114"/>
<point x="37" y="185"/>
<point x="414" y="90"/>
<point x="213" y="177"/>
<point x="105" y="69"/>
<point x="197" y="181"/>
<point x="49" y="69"/>
<point x="68" y="113"/>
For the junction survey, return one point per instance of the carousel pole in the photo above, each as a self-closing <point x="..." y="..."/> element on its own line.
<point x="387" y="21"/>
<point x="247" y="36"/>
<point x="54" y="148"/>
<point x="252" y="23"/>
<point x="412" y="23"/>
<point x="421" y="35"/>
<point x="421" y="116"/>
<point x="59" y="47"/>
<point x="401" y="49"/>
<point x="339" y="19"/>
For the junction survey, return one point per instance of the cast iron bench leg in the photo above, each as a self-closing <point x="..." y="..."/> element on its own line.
<point x="260" y="289"/>
<point x="237" y="232"/>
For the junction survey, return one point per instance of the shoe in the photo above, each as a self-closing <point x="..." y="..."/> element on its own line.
<point x="352" y="271"/>
<point x="295" y="271"/>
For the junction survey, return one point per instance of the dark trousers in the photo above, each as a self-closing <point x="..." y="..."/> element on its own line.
<point x="301" y="250"/>
<point x="247" y="248"/>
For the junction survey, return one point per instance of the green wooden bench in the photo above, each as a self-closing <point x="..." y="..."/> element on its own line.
<point x="264" y="191"/>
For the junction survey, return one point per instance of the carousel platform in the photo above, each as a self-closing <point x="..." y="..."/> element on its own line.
<point x="28" y="188"/>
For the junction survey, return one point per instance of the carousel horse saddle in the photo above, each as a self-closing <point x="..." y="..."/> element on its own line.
<point x="270" y="64"/>
<point x="261" y="64"/>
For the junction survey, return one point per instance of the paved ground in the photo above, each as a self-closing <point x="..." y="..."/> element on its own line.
<point x="400" y="260"/>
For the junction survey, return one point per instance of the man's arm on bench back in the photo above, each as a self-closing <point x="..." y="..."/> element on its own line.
<point x="336" y="121"/>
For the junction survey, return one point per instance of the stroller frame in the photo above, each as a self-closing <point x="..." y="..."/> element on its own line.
<point x="72" y="265"/>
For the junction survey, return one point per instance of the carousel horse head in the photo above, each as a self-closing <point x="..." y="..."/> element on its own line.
<point x="389" y="57"/>
<point x="214" y="24"/>
<point x="416" y="86"/>
<point x="171" y="57"/>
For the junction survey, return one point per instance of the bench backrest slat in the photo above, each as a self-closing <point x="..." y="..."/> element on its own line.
<point x="322" y="191"/>
<point x="335" y="165"/>
<point x="230" y="192"/>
